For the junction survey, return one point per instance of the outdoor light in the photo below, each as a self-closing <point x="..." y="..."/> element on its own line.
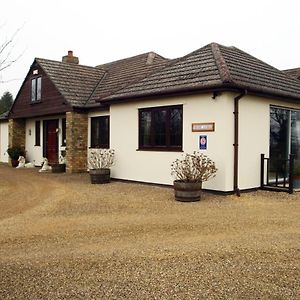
<point x="215" y="94"/>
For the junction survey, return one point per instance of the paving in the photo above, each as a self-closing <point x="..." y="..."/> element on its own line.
<point x="64" y="238"/>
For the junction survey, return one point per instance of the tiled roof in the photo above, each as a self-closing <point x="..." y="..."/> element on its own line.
<point x="121" y="73"/>
<point x="75" y="82"/>
<point x="293" y="72"/>
<point x="82" y="85"/>
<point x="213" y="66"/>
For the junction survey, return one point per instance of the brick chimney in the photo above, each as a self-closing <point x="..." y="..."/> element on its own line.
<point x="70" y="58"/>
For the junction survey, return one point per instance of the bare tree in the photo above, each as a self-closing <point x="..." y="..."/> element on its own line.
<point x="7" y="56"/>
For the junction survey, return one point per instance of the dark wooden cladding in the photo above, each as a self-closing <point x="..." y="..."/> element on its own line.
<point x="52" y="102"/>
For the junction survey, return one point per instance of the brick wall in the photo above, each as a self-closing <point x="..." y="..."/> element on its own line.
<point x="77" y="139"/>
<point x="16" y="132"/>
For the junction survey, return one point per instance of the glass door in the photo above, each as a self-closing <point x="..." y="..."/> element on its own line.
<point x="284" y="140"/>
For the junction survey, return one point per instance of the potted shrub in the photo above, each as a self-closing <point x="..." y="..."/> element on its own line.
<point x="190" y="172"/>
<point x="14" y="153"/>
<point x="61" y="166"/>
<point x="100" y="161"/>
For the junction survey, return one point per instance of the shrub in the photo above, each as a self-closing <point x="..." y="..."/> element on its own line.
<point x="15" y="152"/>
<point x="101" y="158"/>
<point x="195" y="167"/>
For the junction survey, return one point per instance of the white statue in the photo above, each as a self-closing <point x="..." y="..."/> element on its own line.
<point x="61" y="160"/>
<point x="45" y="167"/>
<point x="23" y="164"/>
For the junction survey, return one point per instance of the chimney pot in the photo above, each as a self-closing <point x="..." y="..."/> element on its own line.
<point x="70" y="53"/>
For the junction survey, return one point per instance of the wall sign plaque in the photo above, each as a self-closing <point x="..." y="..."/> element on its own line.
<point x="203" y="127"/>
<point x="203" y="142"/>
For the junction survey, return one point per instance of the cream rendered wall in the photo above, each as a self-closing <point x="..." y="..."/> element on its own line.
<point x="154" y="166"/>
<point x="3" y="141"/>
<point x="35" y="153"/>
<point x="254" y="136"/>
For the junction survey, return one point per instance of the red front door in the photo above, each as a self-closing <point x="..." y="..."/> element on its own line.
<point x="51" y="141"/>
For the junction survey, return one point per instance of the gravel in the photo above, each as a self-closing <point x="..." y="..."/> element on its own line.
<point x="64" y="238"/>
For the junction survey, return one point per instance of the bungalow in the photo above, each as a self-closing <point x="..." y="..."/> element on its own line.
<point x="218" y="100"/>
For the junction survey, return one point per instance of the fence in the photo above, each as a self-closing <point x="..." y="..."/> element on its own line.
<point x="277" y="174"/>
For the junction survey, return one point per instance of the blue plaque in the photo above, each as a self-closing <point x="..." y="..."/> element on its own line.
<point x="203" y="142"/>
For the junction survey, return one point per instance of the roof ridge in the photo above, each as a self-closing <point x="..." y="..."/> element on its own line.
<point x="269" y="66"/>
<point x="169" y="62"/>
<point x="95" y="88"/>
<point x="64" y="63"/>
<point x="221" y="63"/>
<point x="146" y="54"/>
<point x="293" y="69"/>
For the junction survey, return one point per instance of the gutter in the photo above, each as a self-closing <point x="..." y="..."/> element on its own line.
<point x="236" y="142"/>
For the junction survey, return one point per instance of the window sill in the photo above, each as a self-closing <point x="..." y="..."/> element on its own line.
<point x="98" y="147"/>
<point x="35" y="102"/>
<point x="160" y="149"/>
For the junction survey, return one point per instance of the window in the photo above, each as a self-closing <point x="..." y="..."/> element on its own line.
<point x="37" y="133"/>
<point x="160" y="128"/>
<point x="36" y="89"/>
<point x="100" y="132"/>
<point x="63" y="132"/>
<point x="284" y="133"/>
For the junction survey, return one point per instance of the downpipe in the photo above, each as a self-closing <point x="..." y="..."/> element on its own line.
<point x="236" y="142"/>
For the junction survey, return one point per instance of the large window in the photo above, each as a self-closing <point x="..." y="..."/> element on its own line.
<point x="284" y="133"/>
<point x="160" y="128"/>
<point x="100" y="132"/>
<point x="36" y="89"/>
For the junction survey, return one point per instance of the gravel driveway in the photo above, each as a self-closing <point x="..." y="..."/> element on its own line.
<point x="63" y="238"/>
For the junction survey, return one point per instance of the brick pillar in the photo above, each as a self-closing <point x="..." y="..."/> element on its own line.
<point x="16" y="133"/>
<point x="77" y="139"/>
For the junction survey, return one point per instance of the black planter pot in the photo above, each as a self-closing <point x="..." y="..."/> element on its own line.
<point x="187" y="191"/>
<point x="99" y="176"/>
<point x="58" y="168"/>
<point x="14" y="163"/>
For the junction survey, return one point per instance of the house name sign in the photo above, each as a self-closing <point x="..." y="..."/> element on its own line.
<point x="202" y="127"/>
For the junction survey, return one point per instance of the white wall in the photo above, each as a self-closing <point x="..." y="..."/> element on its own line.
<point x="3" y="141"/>
<point x="35" y="153"/>
<point x="154" y="166"/>
<point x="254" y="136"/>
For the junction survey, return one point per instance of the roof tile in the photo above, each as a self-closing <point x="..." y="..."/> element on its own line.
<point x="210" y="67"/>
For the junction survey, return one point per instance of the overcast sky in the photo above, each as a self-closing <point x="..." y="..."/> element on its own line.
<point x="102" y="31"/>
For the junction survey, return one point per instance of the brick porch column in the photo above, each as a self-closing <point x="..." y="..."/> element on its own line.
<point x="77" y="140"/>
<point x="16" y="133"/>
